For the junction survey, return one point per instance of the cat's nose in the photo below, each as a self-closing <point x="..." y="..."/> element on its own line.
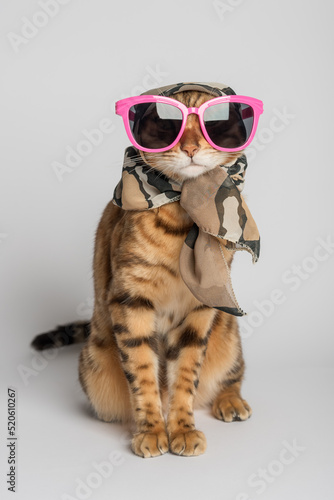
<point x="190" y="149"/>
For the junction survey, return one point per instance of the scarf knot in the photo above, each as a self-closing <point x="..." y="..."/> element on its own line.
<point x="221" y="220"/>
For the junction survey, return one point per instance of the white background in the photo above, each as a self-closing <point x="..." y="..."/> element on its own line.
<point x="64" y="80"/>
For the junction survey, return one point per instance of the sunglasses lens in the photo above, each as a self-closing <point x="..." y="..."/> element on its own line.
<point x="229" y="125"/>
<point x="155" y="125"/>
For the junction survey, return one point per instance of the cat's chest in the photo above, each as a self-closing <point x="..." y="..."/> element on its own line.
<point x="175" y="307"/>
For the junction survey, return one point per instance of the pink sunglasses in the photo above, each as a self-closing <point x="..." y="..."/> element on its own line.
<point x="156" y="123"/>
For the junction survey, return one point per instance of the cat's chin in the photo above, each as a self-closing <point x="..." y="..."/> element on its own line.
<point x="191" y="171"/>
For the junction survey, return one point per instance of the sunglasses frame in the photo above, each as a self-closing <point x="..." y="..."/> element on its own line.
<point x="123" y="106"/>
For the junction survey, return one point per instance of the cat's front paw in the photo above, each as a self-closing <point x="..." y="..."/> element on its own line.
<point x="231" y="409"/>
<point x="150" y="444"/>
<point x="188" y="444"/>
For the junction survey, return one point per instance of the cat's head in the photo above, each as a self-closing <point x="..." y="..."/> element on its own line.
<point x="192" y="155"/>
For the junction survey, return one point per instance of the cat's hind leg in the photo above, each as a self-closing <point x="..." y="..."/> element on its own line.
<point x="102" y="378"/>
<point x="229" y="405"/>
<point x="223" y="371"/>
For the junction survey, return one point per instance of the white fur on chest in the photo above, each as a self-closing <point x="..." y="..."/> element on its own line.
<point x="179" y="303"/>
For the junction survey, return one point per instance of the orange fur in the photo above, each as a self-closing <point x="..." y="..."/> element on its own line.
<point x="151" y="340"/>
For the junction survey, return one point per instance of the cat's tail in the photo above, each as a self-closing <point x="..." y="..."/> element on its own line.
<point x="71" y="333"/>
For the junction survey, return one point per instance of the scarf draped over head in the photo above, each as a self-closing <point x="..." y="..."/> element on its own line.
<point x="214" y="202"/>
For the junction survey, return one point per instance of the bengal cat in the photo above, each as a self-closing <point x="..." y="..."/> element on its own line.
<point x="153" y="348"/>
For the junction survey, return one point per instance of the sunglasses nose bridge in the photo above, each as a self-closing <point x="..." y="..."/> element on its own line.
<point x="192" y="111"/>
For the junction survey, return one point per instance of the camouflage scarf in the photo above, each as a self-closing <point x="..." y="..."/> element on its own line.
<point x="212" y="200"/>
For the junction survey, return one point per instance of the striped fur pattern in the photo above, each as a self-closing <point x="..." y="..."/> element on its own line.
<point x="155" y="352"/>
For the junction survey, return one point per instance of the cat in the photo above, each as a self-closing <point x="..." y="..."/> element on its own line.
<point x="151" y="347"/>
